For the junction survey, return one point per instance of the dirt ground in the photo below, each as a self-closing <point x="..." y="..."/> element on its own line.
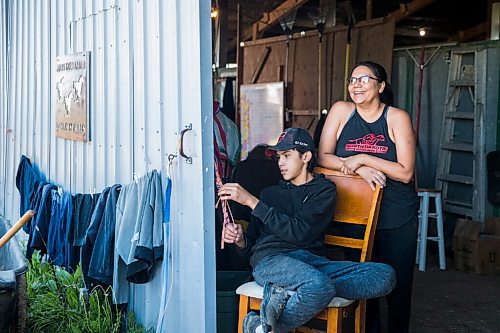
<point x="453" y="301"/>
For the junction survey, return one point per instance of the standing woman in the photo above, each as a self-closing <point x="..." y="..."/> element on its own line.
<point x="371" y="138"/>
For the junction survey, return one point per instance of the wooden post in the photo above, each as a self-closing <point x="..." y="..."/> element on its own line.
<point x="239" y="63"/>
<point x="369" y="9"/>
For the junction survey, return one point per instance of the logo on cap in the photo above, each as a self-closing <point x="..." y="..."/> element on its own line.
<point x="282" y="135"/>
<point x="300" y="143"/>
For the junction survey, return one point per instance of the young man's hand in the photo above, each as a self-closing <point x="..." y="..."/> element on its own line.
<point x="236" y="192"/>
<point x="233" y="233"/>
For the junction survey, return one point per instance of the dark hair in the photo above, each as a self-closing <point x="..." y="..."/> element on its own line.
<point x="386" y="96"/>
<point x="314" y="159"/>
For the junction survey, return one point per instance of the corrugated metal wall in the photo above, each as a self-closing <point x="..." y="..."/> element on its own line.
<point x="128" y="90"/>
<point x="140" y="50"/>
<point x="3" y="98"/>
<point x="405" y="76"/>
<point x="405" y="79"/>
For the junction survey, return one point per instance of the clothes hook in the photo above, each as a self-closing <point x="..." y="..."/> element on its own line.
<point x="170" y="160"/>
<point x="135" y="176"/>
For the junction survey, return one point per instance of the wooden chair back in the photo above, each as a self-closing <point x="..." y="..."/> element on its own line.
<point x="356" y="204"/>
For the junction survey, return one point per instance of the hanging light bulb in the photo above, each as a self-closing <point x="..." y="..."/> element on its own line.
<point x="214" y="13"/>
<point x="421" y="32"/>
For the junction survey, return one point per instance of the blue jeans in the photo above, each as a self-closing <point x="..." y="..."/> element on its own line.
<point x="60" y="217"/>
<point x="316" y="280"/>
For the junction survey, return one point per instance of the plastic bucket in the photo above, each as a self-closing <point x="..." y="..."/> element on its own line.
<point x="228" y="300"/>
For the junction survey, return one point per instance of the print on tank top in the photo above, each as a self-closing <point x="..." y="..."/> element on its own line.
<point x="367" y="144"/>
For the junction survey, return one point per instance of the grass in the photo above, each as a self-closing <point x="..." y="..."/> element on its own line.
<point x="55" y="303"/>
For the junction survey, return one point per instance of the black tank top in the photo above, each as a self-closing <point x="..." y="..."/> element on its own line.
<point x="399" y="201"/>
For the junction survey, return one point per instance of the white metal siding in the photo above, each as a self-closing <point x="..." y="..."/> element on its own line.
<point x="3" y="98"/>
<point x="150" y="75"/>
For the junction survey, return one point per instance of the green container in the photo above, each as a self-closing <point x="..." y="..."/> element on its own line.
<point x="228" y="300"/>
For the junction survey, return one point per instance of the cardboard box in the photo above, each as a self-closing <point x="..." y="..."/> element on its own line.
<point x="492" y="226"/>
<point x="465" y="244"/>
<point x="488" y="255"/>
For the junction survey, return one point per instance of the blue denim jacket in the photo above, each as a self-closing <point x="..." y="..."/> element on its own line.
<point x="26" y="183"/>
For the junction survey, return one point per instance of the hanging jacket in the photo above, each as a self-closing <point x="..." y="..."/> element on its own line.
<point x="138" y="233"/>
<point x="26" y="182"/>
<point x="89" y="237"/>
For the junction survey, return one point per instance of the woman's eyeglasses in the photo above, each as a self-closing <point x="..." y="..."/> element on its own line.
<point x="364" y="79"/>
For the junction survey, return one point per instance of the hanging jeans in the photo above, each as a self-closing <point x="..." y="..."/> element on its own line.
<point x="39" y="232"/>
<point x="316" y="280"/>
<point x="87" y="245"/>
<point x="57" y="246"/>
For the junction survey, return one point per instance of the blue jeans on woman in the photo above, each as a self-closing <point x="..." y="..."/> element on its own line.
<point x="316" y="280"/>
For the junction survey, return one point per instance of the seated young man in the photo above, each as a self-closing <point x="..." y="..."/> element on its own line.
<point x="285" y="240"/>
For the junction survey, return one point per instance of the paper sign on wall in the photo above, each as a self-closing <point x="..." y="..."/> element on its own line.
<point x="261" y="110"/>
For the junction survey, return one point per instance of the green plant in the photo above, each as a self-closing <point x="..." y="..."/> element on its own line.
<point x="134" y="327"/>
<point x="55" y="303"/>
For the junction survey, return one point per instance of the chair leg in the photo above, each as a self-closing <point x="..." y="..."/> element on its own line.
<point x="439" y="221"/>
<point x="423" y="232"/>
<point x="243" y="310"/>
<point x="334" y="320"/>
<point x="417" y="257"/>
<point x="360" y="317"/>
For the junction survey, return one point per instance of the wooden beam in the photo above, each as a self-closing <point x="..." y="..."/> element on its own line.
<point x="369" y="9"/>
<point x="239" y="61"/>
<point x="406" y="9"/>
<point x="466" y="35"/>
<point x="261" y="63"/>
<point x="267" y="20"/>
<point x="270" y="18"/>
<point x="309" y="33"/>
<point x="223" y="30"/>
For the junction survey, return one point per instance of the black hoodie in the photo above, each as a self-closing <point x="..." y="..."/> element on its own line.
<point x="290" y="217"/>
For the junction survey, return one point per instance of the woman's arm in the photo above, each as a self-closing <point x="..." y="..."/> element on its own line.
<point x="333" y="126"/>
<point x="404" y="139"/>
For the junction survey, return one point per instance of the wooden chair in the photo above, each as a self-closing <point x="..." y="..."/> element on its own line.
<point x="357" y="204"/>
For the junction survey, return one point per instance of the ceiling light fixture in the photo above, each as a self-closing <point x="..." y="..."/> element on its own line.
<point x="421" y="32"/>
